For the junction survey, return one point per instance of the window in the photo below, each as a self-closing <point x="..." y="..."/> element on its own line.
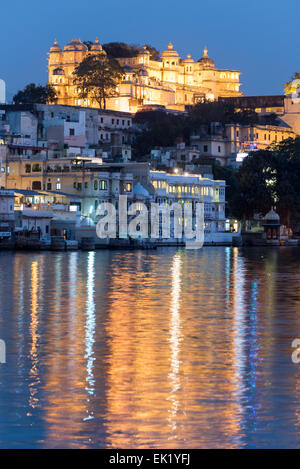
<point x="103" y="185"/>
<point x="49" y="186"/>
<point x="36" y="185"/>
<point x="219" y="149"/>
<point x="28" y="168"/>
<point x="36" y="168"/>
<point x="113" y="121"/>
<point x="86" y="185"/>
<point x="58" y="185"/>
<point x="95" y="185"/>
<point x="72" y="132"/>
<point x="128" y="187"/>
<point x="101" y="120"/>
<point x="205" y="148"/>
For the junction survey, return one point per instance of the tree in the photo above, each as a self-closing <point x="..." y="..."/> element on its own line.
<point x="154" y="53"/>
<point x="256" y="185"/>
<point x="97" y="77"/>
<point x="120" y="49"/>
<point x="159" y="130"/>
<point x="35" y="94"/>
<point x="271" y="177"/>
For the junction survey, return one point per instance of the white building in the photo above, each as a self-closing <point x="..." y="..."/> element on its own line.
<point x="193" y="188"/>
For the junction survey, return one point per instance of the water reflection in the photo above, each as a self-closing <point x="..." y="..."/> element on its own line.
<point x="90" y="326"/>
<point x="34" y="370"/>
<point x="150" y="349"/>
<point x="175" y="338"/>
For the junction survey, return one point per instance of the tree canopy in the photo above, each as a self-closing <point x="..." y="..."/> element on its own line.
<point x="271" y="177"/>
<point x="97" y="77"/>
<point x="120" y="49"/>
<point x="123" y="50"/>
<point x="35" y="94"/>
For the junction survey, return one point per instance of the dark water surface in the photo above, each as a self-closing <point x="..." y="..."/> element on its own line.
<point x="163" y="349"/>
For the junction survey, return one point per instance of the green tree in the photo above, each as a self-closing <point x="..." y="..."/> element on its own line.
<point x="286" y="164"/>
<point x="97" y="77"/>
<point x="256" y="185"/>
<point x="271" y="177"/>
<point x="35" y="94"/>
<point x="120" y="49"/>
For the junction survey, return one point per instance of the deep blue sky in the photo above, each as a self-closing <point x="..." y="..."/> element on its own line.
<point x="258" y="37"/>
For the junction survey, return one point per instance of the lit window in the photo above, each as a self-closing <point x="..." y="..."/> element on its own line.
<point x="103" y="185"/>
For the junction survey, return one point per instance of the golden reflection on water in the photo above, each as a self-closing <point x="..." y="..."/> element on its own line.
<point x="175" y="338"/>
<point x="168" y="349"/>
<point x="34" y="374"/>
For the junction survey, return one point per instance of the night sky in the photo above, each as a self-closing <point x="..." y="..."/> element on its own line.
<point x="259" y="37"/>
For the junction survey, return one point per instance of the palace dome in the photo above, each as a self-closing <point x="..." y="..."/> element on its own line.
<point x="205" y="60"/>
<point x="55" y="47"/>
<point x="170" y="52"/>
<point x="188" y="60"/>
<point x="144" y="51"/>
<point x="97" y="47"/>
<point x="76" y="45"/>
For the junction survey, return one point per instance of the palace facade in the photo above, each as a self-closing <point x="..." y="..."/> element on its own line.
<point x="170" y="81"/>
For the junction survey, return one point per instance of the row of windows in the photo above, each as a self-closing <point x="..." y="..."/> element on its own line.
<point x="35" y="168"/>
<point x="117" y="121"/>
<point x="100" y="185"/>
<point x="203" y="190"/>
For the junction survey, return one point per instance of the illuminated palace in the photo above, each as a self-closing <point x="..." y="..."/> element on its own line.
<point x="169" y="81"/>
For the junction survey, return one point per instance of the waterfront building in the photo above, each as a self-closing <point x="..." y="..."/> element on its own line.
<point x="79" y="185"/>
<point x="190" y="189"/>
<point x="7" y="219"/>
<point x="169" y="81"/>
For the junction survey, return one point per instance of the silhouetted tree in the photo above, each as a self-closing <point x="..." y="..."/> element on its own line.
<point x="97" y="77"/>
<point x="36" y="94"/>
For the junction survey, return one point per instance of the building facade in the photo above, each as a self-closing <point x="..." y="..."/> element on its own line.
<point x="170" y="81"/>
<point x="69" y="130"/>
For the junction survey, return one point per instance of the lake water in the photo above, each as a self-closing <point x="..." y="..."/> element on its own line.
<point x="160" y="349"/>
